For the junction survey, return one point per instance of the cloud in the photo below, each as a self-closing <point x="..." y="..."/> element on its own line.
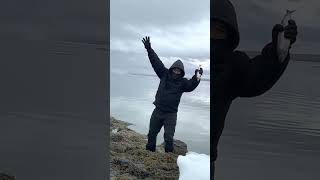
<point x="183" y="40"/>
<point x="178" y="28"/>
<point x="189" y="63"/>
<point x="163" y="13"/>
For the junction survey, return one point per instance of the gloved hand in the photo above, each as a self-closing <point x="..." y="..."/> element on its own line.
<point x="275" y="31"/>
<point x="290" y="32"/>
<point x="200" y="71"/>
<point x="146" y="42"/>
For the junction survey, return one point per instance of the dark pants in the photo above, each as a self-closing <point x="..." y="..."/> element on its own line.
<point x="168" y="121"/>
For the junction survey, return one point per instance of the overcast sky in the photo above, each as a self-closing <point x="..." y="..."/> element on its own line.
<point x="180" y="28"/>
<point x="177" y="29"/>
<point x="257" y="17"/>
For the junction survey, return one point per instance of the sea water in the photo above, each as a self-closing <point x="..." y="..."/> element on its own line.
<point x="133" y="88"/>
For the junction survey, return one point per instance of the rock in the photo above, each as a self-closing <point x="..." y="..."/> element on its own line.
<point x="123" y="163"/>
<point x="136" y="169"/>
<point x="116" y="137"/>
<point x="179" y="147"/>
<point x="129" y="159"/>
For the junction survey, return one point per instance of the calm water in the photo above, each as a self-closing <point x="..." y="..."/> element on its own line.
<point x="277" y="135"/>
<point x="132" y="97"/>
<point x="53" y="110"/>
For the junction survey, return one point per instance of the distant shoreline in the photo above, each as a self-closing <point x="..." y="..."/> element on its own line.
<point x="294" y="56"/>
<point x="152" y="75"/>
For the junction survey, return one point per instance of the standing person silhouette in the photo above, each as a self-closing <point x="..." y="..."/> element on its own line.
<point x="172" y="86"/>
<point x="234" y="73"/>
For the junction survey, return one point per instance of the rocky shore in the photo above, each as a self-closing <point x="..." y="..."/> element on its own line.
<point x="129" y="159"/>
<point x="4" y="176"/>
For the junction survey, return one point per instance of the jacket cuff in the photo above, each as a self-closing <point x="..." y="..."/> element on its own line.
<point x="270" y="52"/>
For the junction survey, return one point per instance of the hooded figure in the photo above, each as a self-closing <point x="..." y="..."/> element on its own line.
<point x="171" y="87"/>
<point x="234" y="73"/>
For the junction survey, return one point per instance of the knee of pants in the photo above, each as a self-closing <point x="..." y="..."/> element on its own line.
<point x="153" y="131"/>
<point x="152" y="135"/>
<point x="169" y="133"/>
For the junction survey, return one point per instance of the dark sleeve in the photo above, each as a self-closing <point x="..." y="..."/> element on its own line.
<point x="156" y="63"/>
<point x="257" y="75"/>
<point x="191" y="84"/>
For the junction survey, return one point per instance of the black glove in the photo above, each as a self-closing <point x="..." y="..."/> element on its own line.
<point x="275" y="31"/>
<point x="200" y="71"/>
<point x="146" y="42"/>
<point x="290" y="32"/>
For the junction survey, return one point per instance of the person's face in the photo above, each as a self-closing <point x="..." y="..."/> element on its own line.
<point x="218" y="31"/>
<point x="176" y="71"/>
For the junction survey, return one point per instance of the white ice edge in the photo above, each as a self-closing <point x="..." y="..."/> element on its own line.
<point x="194" y="166"/>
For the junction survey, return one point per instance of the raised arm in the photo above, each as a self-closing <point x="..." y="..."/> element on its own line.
<point x="257" y="75"/>
<point x="155" y="61"/>
<point x="192" y="84"/>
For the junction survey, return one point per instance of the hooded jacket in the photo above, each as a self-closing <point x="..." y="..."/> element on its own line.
<point x="234" y="73"/>
<point x="224" y="12"/>
<point x="171" y="87"/>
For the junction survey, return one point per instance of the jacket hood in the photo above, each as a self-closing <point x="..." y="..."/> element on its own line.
<point x="224" y="12"/>
<point x="178" y="64"/>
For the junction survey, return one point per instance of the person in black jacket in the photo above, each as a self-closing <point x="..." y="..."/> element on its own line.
<point x="234" y="73"/>
<point x="172" y="86"/>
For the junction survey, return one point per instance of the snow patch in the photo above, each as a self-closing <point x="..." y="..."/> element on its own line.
<point x="194" y="166"/>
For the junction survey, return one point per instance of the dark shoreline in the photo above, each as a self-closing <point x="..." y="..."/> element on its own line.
<point x="294" y="56"/>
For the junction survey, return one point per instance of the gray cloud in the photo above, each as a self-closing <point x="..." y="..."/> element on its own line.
<point x="160" y="14"/>
<point x="164" y="12"/>
<point x="177" y="28"/>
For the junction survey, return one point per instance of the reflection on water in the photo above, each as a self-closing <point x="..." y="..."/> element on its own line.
<point x="131" y="101"/>
<point x="276" y="135"/>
